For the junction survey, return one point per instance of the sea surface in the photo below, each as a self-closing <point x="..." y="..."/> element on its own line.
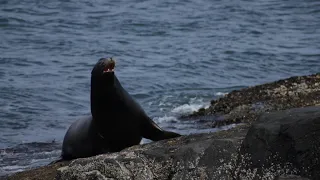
<point x="173" y="57"/>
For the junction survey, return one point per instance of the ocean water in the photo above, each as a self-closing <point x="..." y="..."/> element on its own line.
<point x="173" y="57"/>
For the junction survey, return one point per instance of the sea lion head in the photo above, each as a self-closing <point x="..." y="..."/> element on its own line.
<point x="104" y="67"/>
<point x="103" y="72"/>
<point x="103" y="84"/>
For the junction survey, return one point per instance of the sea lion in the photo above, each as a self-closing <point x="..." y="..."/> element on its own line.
<point x="117" y="121"/>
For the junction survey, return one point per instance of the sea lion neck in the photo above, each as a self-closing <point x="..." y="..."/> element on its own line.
<point x="102" y="90"/>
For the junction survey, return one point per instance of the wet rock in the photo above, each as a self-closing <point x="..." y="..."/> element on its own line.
<point x="286" y="140"/>
<point x="247" y="104"/>
<point x="46" y="172"/>
<point x="196" y="156"/>
<point x="200" y="156"/>
<point x="291" y="177"/>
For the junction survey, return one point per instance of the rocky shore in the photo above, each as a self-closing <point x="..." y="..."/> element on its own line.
<point x="246" y="104"/>
<point x="278" y="137"/>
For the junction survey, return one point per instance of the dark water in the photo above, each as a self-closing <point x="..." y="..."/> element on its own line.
<point x="172" y="56"/>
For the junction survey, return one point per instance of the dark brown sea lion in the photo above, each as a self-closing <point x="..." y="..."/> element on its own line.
<point x="117" y="120"/>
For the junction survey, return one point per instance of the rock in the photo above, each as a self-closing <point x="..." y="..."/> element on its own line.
<point x="286" y="140"/>
<point x="46" y="172"/>
<point x="200" y="156"/>
<point x="290" y="177"/>
<point x="247" y="104"/>
<point x="196" y="156"/>
<point x="280" y="145"/>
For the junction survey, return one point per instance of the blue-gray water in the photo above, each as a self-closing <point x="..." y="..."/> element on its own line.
<point x="172" y="56"/>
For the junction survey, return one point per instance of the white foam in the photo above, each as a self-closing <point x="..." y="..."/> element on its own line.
<point x="161" y="103"/>
<point x="50" y="152"/>
<point x="4" y="153"/>
<point x="194" y="105"/>
<point x="14" y="168"/>
<point x="186" y="108"/>
<point x="40" y="160"/>
<point x="165" y="118"/>
<point x="220" y="94"/>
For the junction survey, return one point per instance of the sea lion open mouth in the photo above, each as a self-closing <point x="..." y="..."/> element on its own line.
<point x="109" y="67"/>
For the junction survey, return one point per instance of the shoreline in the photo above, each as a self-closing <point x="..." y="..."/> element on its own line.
<point x="239" y="106"/>
<point x="244" y="105"/>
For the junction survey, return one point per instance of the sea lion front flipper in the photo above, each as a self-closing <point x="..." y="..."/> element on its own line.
<point x="150" y="130"/>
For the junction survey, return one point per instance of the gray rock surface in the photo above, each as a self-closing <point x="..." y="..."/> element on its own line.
<point x="247" y="104"/>
<point x="279" y="145"/>
<point x="290" y="177"/>
<point x="286" y="140"/>
<point x="201" y="156"/>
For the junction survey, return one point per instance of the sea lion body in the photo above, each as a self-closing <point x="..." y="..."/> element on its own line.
<point x="117" y="120"/>
<point x="79" y="140"/>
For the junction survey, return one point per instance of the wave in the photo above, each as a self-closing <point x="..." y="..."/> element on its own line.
<point x="193" y="105"/>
